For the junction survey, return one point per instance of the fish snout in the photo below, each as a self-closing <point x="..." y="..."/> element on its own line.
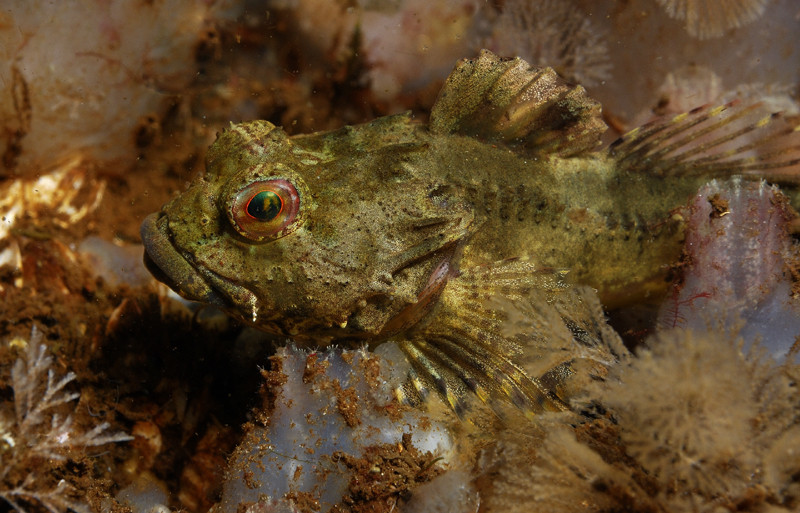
<point x="169" y="266"/>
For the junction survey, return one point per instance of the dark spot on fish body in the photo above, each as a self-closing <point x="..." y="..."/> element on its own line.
<point x="505" y="210"/>
<point x="516" y="202"/>
<point x="483" y="195"/>
<point x="524" y="203"/>
<point x="578" y="215"/>
<point x="612" y="222"/>
<point x="626" y="223"/>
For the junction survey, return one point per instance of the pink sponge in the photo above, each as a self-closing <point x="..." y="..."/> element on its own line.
<point x="735" y="273"/>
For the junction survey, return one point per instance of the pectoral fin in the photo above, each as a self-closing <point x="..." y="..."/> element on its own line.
<point x="491" y="326"/>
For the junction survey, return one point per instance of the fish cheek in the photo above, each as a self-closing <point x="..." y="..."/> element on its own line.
<point x="282" y="286"/>
<point x="337" y="274"/>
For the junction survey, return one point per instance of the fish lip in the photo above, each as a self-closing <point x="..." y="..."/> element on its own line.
<point x="169" y="266"/>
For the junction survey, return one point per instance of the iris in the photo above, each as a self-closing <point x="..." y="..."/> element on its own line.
<point x="265" y="206"/>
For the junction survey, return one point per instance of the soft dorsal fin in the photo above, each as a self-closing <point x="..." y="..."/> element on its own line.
<point x="510" y="102"/>
<point x="710" y="141"/>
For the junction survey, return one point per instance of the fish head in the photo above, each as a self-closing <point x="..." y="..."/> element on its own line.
<point x="306" y="244"/>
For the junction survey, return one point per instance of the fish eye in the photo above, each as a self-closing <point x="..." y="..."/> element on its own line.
<point x="265" y="209"/>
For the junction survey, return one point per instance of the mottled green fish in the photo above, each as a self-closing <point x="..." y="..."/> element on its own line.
<point x="434" y="235"/>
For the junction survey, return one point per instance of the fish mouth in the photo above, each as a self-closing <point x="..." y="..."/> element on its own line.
<point x="168" y="266"/>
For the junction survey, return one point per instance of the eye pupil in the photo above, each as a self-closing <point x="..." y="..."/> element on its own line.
<point x="265" y="206"/>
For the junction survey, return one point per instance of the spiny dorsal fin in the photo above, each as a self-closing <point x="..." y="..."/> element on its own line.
<point x="712" y="141"/>
<point x="507" y="101"/>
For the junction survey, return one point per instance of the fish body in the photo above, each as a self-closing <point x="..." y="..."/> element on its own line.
<point x="429" y="235"/>
<point x="612" y="228"/>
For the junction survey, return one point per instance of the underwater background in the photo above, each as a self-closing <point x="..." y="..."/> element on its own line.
<point x="116" y="395"/>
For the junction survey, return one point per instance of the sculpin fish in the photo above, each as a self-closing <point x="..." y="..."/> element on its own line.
<point x="433" y="235"/>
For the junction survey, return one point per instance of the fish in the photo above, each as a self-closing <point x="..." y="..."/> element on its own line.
<point x="464" y="240"/>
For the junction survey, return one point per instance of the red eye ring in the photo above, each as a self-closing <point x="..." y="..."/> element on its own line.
<point x="265" y="209"/>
